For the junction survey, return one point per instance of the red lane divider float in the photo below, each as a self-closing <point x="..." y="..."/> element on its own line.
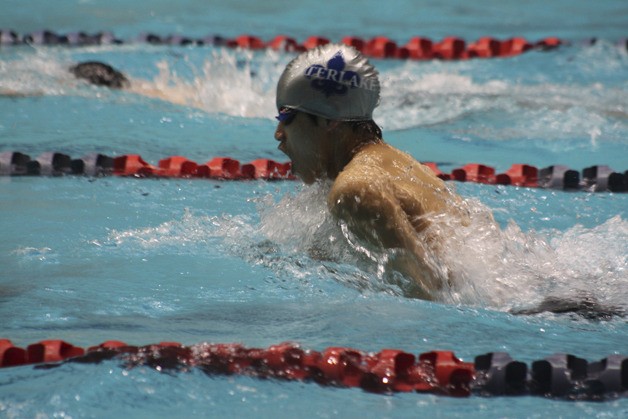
<point x="416" y="48"/>
<point x="59" y="164"/>
<point x="592" y="179"/>
<point x="390" y="370"/>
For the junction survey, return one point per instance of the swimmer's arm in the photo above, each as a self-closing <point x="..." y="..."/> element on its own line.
<point x="375" y="217"/>
<point x="15" y="94"/>
<point x="371" y="213"/>
<point x="179" y="95"/>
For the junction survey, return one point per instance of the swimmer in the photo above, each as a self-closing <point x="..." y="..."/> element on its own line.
<point x="384" y="197"/>
<point x="104" y="75"/>
<point x="94" y="72"/>
<point x="100" y="74"/>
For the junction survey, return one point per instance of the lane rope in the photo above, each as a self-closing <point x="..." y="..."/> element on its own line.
<point x="563" y="376"/>
<point x="416" y="48"/>
<point x="599" y="178"/>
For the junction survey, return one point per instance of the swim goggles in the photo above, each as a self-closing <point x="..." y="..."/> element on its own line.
<point x="286" y="115"/>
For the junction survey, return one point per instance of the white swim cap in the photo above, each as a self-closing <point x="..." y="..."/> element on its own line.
<point x="334" y="81"/>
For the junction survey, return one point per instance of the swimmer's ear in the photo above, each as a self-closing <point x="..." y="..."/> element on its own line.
<point x="100" y="74"/>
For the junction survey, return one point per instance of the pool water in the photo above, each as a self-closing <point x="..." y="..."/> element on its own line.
<point x="148" y="260"/>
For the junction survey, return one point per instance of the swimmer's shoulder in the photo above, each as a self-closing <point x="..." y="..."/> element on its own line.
<point x="395" y="164"/>
<point x="354" y="185"/>
<point x="362" y="181"/>
<point x="383" y="171"/>
<point x="380" y="169"/>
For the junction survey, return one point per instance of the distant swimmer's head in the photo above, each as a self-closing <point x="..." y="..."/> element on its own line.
<point x="100" y="74"/>
<point x="334" y="81"/>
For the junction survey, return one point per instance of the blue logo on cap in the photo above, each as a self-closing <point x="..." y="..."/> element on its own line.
<point x="333" y="79"/>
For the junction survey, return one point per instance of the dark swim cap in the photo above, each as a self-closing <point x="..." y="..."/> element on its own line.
<point x="334" y="81"/>
<point x="100" y="74"/>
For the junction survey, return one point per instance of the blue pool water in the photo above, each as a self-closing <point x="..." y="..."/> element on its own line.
<point x="143" y="261"/>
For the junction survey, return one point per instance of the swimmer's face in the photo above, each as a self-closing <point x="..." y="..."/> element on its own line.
<point x="302" y="139"/>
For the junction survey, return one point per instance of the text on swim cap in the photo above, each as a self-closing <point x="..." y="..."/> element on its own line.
<point x="333" y="79"/>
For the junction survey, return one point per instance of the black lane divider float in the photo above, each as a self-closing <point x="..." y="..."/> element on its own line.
<point x="592" y="179"/>
<point x="561" y="376"/>
<point x="418" y="48"/>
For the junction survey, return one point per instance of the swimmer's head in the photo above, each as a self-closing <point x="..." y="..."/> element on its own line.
<point x="334" y="81"/>
<point x="100" y="74"/>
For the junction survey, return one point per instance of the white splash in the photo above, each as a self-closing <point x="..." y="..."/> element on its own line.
<point x="38" y="73"/>
<point x="497" y="268"/>
<point x="413" y="98"/>
<point x="190" y="234"/>
<point x="242" y="83"/>
<point x="226" y="83"/>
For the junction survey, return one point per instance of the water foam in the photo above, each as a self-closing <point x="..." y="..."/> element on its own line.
<point x="191" y="234"/>
<point x="242" y="83"/>
<point x="509" y="268"/>
<point x="499" y="268"/>
<point x="513" y="110"/>
<point x="230" y="82"/>
<point x="37" y="73"/>
<point x="233" y="82"/>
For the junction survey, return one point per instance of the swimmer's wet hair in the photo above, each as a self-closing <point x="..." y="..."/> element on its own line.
<point x="369" y="127"/>
<point x="100" y="74"/>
